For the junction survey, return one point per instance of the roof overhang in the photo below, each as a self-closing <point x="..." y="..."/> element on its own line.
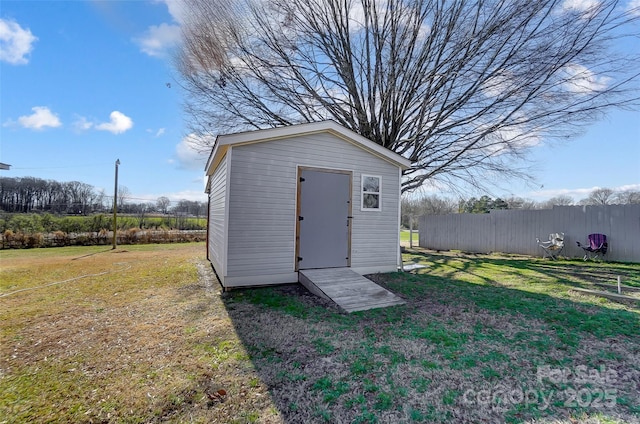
<point x="224" y="142"/>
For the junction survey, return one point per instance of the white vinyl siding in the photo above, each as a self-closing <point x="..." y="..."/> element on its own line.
<point x="262" y="204"/>
<point x="217" y="215"/>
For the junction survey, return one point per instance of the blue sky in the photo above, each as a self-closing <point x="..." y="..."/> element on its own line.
<point x="83" y="83"/>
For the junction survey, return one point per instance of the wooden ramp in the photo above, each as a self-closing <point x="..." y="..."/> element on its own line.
<point x="350" y="290"/>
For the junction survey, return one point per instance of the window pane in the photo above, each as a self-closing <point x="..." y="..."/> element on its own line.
<point x="371" y="201"/>
<point x="371" y="184"/>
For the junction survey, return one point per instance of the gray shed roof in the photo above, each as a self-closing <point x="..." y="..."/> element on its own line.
<point x="258" y="136"/>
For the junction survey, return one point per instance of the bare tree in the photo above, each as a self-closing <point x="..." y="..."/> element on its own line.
<point x="462" y="88"/>
<point x="628" y="197"/>
<point x="142" y="210"/>
<point x="600" y="196"/>
<point x="436" y="205"/>
<point x="163" y="204"/>
<point x="409" y="211"/>
<point x="26" y="194"/>
<point x="515" y="202"/>
<point x="412" y="208"/>
<point x="123" y="194"/>
<point x="98" y="200"/>
<point x="561" y="200"/>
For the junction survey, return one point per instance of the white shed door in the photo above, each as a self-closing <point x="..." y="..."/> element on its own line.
<point x="324" y="205"/>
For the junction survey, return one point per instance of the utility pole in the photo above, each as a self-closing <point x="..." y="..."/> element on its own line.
<point x="115" y="205"/>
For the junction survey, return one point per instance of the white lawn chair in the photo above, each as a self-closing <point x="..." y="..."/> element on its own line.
<point x="553" y="247"/>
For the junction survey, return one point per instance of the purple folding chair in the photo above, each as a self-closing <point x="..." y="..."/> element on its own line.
<point x="597" y="246"/>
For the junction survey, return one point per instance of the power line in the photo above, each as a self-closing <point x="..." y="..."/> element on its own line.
<point x="88" y="165"/>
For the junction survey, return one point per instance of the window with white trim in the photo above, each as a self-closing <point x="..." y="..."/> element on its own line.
<point x="371" y="191"/>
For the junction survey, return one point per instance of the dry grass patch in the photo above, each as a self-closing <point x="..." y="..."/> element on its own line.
<point x="149" y="340"/>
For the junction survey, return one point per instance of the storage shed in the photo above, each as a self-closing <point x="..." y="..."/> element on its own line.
<point x="301" y="197"/>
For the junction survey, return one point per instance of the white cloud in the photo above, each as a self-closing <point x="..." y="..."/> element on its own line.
<point x="176" y="9"/>
<point x="190" y="195"/>
<point x="588" y="8"/>
<point x="358" y="18"/>
<point x="542" y="195"/>
<point x="15" y="42"/>
<point x="82" y="124"/>
<point x="576" y="193"/>
<point x="189" y="152"/>
<point x="509" y="138"/>
<point x="158" y="40"/>
<point x="635" y="187"/>
<point x="634" y="7"/>
<point x="580" y="5"/>
<point x="519" y="137"/>
<point x="40" y="118"/>
<point x="498" y="85"/>
<point x="582" y="80"/>
<point x="156" y="133"/>
<point x="118" y="124"/>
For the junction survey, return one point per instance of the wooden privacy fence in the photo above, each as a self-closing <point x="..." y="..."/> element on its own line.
<point x="515" y="231"/>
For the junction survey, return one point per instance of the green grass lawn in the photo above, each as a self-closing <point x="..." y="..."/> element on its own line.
<point x="404" y="236"/>
<point x="147" y="336"/>
<point x="481" y="339"/>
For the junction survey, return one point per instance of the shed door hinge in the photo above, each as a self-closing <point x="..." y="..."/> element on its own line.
<point x="302" y="179"/>
<point x="300" y="218"/>
<point x="299" y="258"/>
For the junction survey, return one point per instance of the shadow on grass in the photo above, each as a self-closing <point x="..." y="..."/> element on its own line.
<point x="563" y="273"/>
<point x="565" y="314"/>
<point x="533" y="289"/>
<point x="407" y="363"/>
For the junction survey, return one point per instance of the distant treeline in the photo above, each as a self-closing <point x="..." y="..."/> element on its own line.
<point x="22" y="230"/>
<point x="413" y="207"/>
<point x="48" y="223"/>
<point x="19" y="240"/>
<point x="30" y="194"/>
